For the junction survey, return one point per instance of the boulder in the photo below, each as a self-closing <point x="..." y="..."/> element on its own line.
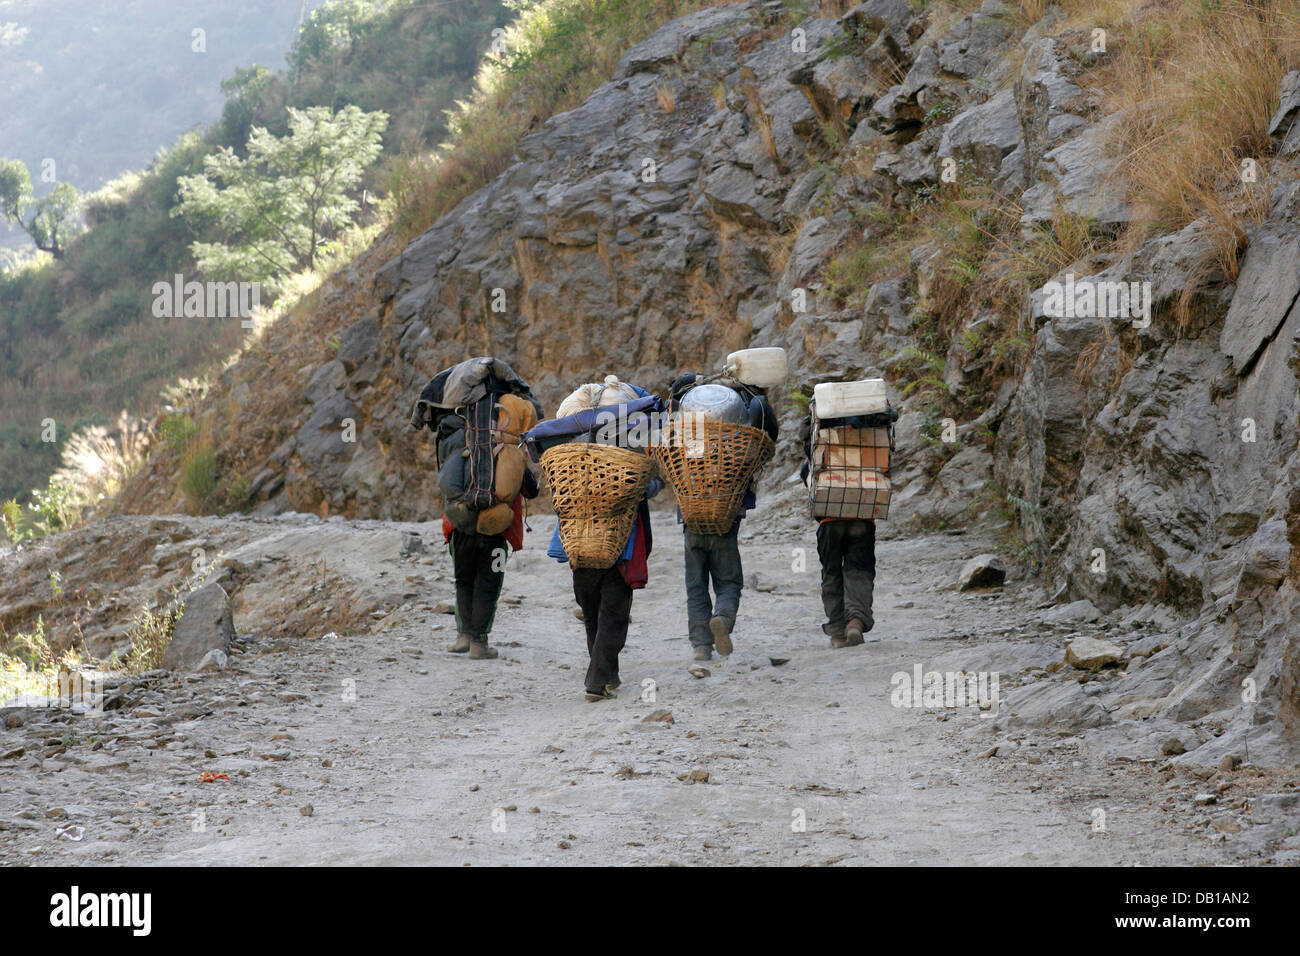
<point x="1047" y="96"/>
<point x="1079" y="177"/>
<point x="205" y="625"/>
<point x="814" y="245"/>
<point x="1051" y="704"/>
<point x="982" y="571"/>
<point x="884" y="309"/>
<point x="1076" y="612"/>
<point x="984" y="136"/>
<point x="214" y="660"/>
<point x="1267" y="557"/>
<point x="803" y="194"/>
<point x="976" y="39"/>
<point x="876" y="15"/>
<point x="358" y="344"/>
<point x="325" y="382"/>
<point x="1091" y="654"/>
<point x="670" y="41"/>
<point x="733" y="194"/>
<point x="320" y="439"/>
<point x="1288" y="108"/>
<point x="911" y="166"/>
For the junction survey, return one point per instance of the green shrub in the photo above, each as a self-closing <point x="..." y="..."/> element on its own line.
<point x="177" y="430"/>
<point x="30" y="647"/>
<point x="11" y="522"/>
<point x="150" y="636"/>
<point x="198" y="474"/>
<point x="54" y="507"/>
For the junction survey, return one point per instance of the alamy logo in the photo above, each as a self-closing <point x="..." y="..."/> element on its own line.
<point x="950" y="689"/>
<point x="1089" y="298"/>
<point x="103" y="909"/>
<point x="206" y="300"/>
<point x="68" y="690"/>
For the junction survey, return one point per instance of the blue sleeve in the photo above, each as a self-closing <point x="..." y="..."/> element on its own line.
<point x="555" y="549"/>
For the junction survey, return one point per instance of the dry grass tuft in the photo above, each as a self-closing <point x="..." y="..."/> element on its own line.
<point x="1196" y="86"/>
<point x="666" y="97"/>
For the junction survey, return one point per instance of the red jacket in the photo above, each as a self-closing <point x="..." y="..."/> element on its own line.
<point x="635" y="571"/>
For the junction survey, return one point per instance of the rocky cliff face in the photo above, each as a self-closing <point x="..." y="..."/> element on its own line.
<point x="694" y="205"/>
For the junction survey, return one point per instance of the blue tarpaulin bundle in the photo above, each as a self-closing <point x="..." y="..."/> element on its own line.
<point x="603" y="423"/>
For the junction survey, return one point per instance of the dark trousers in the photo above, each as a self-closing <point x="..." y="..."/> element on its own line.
<point x="606" y="602"/>
<point x="847" y="550"/>
<point x="712" y="558"/>
<point x="480" y="564"/>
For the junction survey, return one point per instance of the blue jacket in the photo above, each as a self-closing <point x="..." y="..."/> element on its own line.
<point x="556" y="550"/>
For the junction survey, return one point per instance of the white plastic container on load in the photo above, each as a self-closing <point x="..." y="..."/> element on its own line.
<point x="717" y="402"/>
<point x="762" y="368"/>
<point x="841" y="399"/>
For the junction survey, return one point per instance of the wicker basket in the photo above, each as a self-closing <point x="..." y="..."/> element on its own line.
<point x="710" y="463"/>
<point x="595" y="490"/>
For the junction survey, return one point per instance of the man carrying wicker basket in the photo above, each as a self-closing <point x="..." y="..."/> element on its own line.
<point x="722" y="435"/>
<point x="600" y="479"/>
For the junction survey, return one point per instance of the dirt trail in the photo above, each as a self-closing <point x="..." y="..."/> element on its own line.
<point x="441" y="760"/>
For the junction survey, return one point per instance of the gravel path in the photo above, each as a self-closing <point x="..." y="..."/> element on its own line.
<point x="382" y="748"/>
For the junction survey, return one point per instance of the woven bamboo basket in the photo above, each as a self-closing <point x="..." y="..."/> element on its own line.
<point x="596" y="490"/>
<point x="710" y="463"/>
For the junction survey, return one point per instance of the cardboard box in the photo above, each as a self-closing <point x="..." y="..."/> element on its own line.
<point x="850" y="493"/>
<point x="852" y="448"/>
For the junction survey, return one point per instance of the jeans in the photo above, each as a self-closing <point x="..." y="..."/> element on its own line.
<point x="479" y="561"/>
<point x="847" y="550"/>
<point x="716" y="558"/>
<point x="606" y="602"/>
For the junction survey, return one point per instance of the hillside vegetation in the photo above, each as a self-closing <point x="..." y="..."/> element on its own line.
<point x="78" y="340"/>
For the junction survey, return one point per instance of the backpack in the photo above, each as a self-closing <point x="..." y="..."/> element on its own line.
<point x="482" y="467"/>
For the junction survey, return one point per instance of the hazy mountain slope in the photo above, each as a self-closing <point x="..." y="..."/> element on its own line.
<point x="101" y="85"/>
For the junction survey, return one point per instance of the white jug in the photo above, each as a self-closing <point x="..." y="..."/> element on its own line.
<point x="762" y="368"/>
<point x="842" y="399"/>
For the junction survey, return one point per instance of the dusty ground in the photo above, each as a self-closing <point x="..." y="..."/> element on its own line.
<point x="378" y="747"/>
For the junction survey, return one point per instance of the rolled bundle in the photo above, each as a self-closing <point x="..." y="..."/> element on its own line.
<point x="595" y="394"/>
<point x="710" y="464"/>
<point x="595" y="490"/>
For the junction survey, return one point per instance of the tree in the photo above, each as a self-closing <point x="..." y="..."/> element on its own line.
<point x="253" y="94"/>
<point x="51" y="220"/>
<point x="276" y="206"/>
<point x="337" y="26"/>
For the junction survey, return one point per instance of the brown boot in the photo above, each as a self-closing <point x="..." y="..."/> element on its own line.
<point x="721" y="635"/>
<point x="853" y="632"/>
<point x="839" y="642"/>
<point x="479" y="651"/>
<point x="461" y="646"/>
